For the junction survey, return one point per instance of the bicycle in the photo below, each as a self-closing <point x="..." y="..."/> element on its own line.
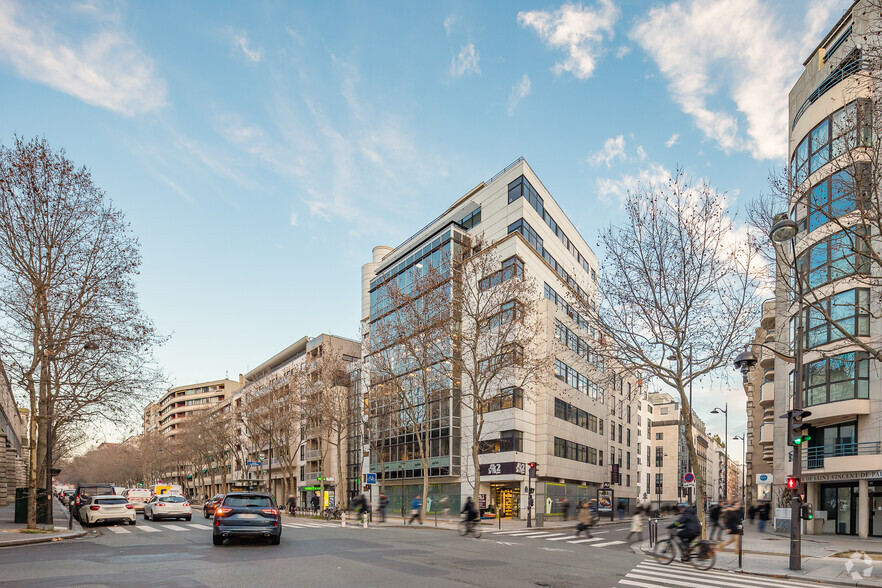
<point x="467" y="527"/>
<point x="700" y="554"/>
<point x="332" y="513"/>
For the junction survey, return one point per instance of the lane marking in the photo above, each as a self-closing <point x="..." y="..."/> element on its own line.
<point x="198" y="526"/>
<point x="589" y="540"/>
<point x="560" y="538"/>
<point x="607" y="543"/>
<point x="174" y="527"/>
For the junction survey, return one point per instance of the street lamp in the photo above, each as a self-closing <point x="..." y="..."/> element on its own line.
<point x="785" y="230"/>
<point x="725" y="411"/>
<point x="743" y="487"/>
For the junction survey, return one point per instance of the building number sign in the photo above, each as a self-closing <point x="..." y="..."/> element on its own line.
<point x="503" y="468"/>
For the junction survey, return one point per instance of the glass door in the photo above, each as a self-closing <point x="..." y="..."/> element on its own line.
<point x="844" y="522"/>
<point x="876" y="515"/>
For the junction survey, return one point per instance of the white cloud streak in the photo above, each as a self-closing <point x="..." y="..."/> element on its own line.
<point x="750" y="63"/>
<point x="610" y="190"/>
<point x="465" y="63"/>
<point x="577" y="30"/>
<point x="673" y="140"/>
<point x="520" y="91"/>
<point x="104" y="68"/>
<point x="613" y="148"/>
<point x="240" y="40"/>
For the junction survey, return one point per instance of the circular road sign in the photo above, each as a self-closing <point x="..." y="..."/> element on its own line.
<point x="689" y="477"/>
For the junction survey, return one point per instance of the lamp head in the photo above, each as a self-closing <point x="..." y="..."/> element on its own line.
<point x="784" y="230"/>
<point x="745" y="362"/>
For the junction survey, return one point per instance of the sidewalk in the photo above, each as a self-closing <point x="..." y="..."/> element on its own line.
<point x="11" y="533"/>
<point x="767" y="554"/>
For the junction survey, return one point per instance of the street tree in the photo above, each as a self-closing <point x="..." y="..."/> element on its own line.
<point x="68" y="263"/>
<point x="677" y="291"/>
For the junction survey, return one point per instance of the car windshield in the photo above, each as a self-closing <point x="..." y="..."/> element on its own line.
<point x="174" y="499"/>
<point x="95" y="490"/>
<point x="248" y="501"/>
<point x="111" y="501"/>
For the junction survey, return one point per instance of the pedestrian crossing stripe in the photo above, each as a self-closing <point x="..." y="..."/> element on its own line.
<point x="650" y="574"/>
<point x="174" y="527"/>
<point x="147" y="529"/>
<point x="528" y="534"/>
<point x="608" y="543"/>
<point x="589" y="540"/>
<point x="558" y="538"/>
<point x="119" y="530"/>
<point x="198" y="526"/>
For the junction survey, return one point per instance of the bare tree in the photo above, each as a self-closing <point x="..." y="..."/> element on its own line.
<point x="499" y="358"/>
<point x="67" y="267"/>
<point x="677" y="291"/>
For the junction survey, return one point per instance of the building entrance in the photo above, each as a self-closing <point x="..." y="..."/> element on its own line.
<point x="507" y="502"/>
<point x="876" y="514"/>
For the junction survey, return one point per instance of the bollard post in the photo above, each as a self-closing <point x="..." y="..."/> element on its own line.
<point x="364" y="519"/>
<point x="70" y="519"/>
<point x="343" y="518"/>
<point x="499" y="518"/>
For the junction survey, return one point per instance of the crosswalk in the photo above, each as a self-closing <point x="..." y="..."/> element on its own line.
<point x="179" y="528"/>
<point x="651" y="574"/>
<point x="569" y="538"/>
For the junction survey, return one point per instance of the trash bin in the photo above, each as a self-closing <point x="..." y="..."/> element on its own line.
<point x="21" y="506"/>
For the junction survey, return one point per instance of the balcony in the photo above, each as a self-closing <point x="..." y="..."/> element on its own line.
<point x="833" y="411"/>
<point x="843" y="457"/>
<point x="767" y="394"/>
<point x="767" y="434"/>
<point x="313" y="454"/>
<point x="768" y="320"/>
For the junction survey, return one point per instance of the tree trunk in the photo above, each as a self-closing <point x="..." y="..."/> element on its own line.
<point x="32" y="459"/>
<point x="685" y="414"/>
<point x="476" y="433"/>
<point x="340" y="483"/>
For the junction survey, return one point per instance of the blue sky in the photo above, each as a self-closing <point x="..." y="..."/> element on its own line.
<point x="260" y="150"/>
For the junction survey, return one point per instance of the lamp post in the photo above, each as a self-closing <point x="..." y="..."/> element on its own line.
<point x="786" y="230"/>
<point x="725" y="411"/>
<point x="743" y="485"/>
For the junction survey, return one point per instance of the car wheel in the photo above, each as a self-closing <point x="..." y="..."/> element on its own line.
<point x="188" y="518"/>
<point x="217" y="539"/>
<point x="205" y="514"/>
<point x="146" y="518"/>
<point x="275" y="540"/>
<point x="133" y="522"/>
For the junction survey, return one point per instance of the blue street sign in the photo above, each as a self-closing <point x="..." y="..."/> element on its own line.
<point x="370" y="478"/>
<point x="253" y="463"/>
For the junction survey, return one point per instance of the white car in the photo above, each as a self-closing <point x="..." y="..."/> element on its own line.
<point x="138" y="497"/>
<point x="167" y="507"/>
<point x="107" y="508"/>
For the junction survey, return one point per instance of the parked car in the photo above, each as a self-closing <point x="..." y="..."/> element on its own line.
<point x="67" y="496"/>
<point x="167" y="507"/>
<point x="138" y="497"/>
<point x="85" y="492"/>
<point x="211" y="505"/>
<point x="106" y="508"/>
<point x="247" y="514"/>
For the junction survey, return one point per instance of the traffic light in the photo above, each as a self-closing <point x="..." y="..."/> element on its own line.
<point x="798" y="433"/>
<point x="793" y="484"/>
<point x="806" y="512"/>
<point x="532" y="469"/>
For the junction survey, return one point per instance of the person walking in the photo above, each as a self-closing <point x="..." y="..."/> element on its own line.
<point x="384" y="502"/>
<point x="751" y="513"/>
<point x="636" y="525"/>
<point x="734" y="526"/>
<point x="716" y="530"/>
<point x="585" y="518"/>
<point x="762" y="515"/>
<point x="565" y="506"/>
<point x="315" y="504"/>
<point x="415" y="510"/>
<point x="621" y="511"/>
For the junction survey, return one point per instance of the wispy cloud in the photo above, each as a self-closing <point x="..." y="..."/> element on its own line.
<point x="622" y="51"/>
<point x="520" y="91"/>
<point x="577" y="30"/>
<point x="449" y="22"/>
<point x="240" y="40"/>
<point x="465" y="63"/>
<point x="750" y="63"/>
<point x="673" y="140"/>
<point x="610" y="190"/>
<point x="613" y="148"/>
<point x="293" y="219"/>
<point x="103" y="67"/>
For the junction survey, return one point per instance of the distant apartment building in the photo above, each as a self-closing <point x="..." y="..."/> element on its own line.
<point x="150" y="419"/>
<point x="759" y="386"/>
<point x="181" y="402"/>
<point x="575" y="426"/>
<point x="13" y="441"/>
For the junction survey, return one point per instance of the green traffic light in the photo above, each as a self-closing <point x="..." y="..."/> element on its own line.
<point x="797" y="441"/>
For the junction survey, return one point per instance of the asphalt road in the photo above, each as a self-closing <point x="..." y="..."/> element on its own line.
<point x="318" y="553"/>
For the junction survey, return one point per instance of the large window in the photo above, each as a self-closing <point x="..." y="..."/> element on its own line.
<point x="571" y="312"/>
<point x="565" y="373"/>
<point x="841" y="254"/>
<point x="659" y="457"/>
<point x="849" y="310"/>
<point x="845" y="129"/>
<point x="842" y="377"/>
<point x="472" y="219"/>
<point x="512" y="440"/>
<point x="513" y="267"/>
<point x="566" y="411"/>
<point x="835" y="196"/>
<point x="507" y="398"/>
<point x="659" y="478"/>
<point x="578" y="345"/>
<point x="576" y="451"/>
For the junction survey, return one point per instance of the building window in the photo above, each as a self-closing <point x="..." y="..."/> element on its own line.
<point x="566" y="411"/>
<point x="845" y="129"/>
<point x="507" y="398"/>
<point x="663" y="410"/>
<point x="849" y="309"/>
<point x="513" y="267"/>
<point x="659" y="457"/>
<point x="835" y="196"/>
<point x="628" y="461"/>
<point x="576" y="451"/>
<point x="629" y="438"/>
<point x="628" y="480"/>
<point x="659" y="436"/>
<point x="841" y="377"/>
<point x="839" y="255"/>
<point x="472" y="219"/>
<point x="508" y="441"/>
<point x="568" y="375"/>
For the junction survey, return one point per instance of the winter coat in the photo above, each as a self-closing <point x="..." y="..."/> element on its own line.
<point x="637" y="523"/>
<point x="585" y="516"/>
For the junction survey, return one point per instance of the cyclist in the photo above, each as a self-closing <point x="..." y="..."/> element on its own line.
<point x="689" y="528"/>
<point x="470" y="512"/>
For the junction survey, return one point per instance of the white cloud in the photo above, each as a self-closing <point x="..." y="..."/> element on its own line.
<point x="613" y="148"/>
<point x="577" y="30"/>
<point x="520" y="91"/>
<point x="293" y="219"/>
<point x="240" y="40"/>
<point x="622" y="50"/>
<point x="743" y="70"/>
<point x="641" y="152"/>
<point x="673" y="140"/>
<point x="104" y="67"/>
<point x="465" y="63"/>
<point x="609" y="189"/>
<point x="449" y="23"/>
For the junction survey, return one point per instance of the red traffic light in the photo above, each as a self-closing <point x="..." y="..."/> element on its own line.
<point x="792" y="483"/>
<point x="532" y="464"/>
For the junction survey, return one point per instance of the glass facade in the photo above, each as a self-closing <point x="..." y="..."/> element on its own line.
<point x="841" y="377"/>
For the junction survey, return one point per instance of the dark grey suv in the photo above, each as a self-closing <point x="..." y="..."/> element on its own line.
<point x="247" y="514"/>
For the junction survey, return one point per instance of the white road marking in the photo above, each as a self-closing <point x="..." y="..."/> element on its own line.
<point x="607" y="543"/>
<point x="560" y="538"/>
<point x="174" y="527"/>
<point x="198" y="526"/>
<point x="589" y="540"/>
<point x="681" y="571"/>
<point x="119" y="530"/>
<point x="147" y="529"/>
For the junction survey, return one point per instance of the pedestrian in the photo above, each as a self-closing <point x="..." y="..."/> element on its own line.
<point x="292" y="505"/>
<point x="621" y="511"/>
<point x="714" y="515"/>
<point x="445" y="506"/>
<point x="384" y="502"/>
<point x="586" y="519"/>
<point x="565" y="505"/>
<point x="415" y="510"/>
<point x="751" y="513"/>
<point x="315" y="504"/>
<point x="637" y="525"/>
<point x="362" y="506"/>
<point x="734" y="526"/>
<point x="762" y="515"/>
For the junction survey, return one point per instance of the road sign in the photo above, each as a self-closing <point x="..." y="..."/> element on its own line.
<point x="251" y="463"/>
<point x="689" y="477"/>
<point x="370" y="478"/>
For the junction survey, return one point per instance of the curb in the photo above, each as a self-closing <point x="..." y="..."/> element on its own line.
<point x="43" y="539"/>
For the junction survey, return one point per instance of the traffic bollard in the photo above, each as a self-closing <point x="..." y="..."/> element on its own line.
<point x="364" y="519"/>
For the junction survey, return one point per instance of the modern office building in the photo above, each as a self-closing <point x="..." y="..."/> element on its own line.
<point x="181" y="402"/>
<point x="575" y="425"/>
<point x="830" y="148"/>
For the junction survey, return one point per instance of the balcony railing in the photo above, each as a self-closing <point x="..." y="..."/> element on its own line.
<point x="813" y="458"/>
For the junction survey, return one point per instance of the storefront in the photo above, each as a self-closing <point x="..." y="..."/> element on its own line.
<point x="846" y="504"/>
<point x="507" y="499"/>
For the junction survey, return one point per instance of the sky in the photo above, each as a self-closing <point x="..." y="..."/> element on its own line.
<point x="260" y="150"/>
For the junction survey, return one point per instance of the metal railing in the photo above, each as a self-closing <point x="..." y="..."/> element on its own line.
<point x="813" y="457"/>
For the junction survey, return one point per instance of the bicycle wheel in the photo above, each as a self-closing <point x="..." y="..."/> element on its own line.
<point x="463" y="528"/>
<point x="476" y="531"/>
<point x="703" y="557"/>
<point x="664" y="552"/>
